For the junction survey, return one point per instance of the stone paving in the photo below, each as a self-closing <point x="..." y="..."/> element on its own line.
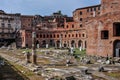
<point x="58" y="68"/>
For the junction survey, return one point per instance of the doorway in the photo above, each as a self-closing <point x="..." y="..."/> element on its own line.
<point x="116" y="48"/>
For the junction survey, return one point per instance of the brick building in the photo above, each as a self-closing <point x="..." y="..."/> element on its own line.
<point x="60" y="31"/>
<point x="103" y="31"/>
<point x="24" y="37"/>
<point x="94" y="28"/>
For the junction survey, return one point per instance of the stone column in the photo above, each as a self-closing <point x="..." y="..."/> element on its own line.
<point x="69" y="43"/>
<point x="83" y="45"/>
<point x="77" y="44"/>
<point x="34" y="57"/>
<point x="55" y="44"/>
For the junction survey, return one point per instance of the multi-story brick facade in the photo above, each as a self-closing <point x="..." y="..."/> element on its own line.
<point x="25" y="33"/>
<point x="60" y="31"/>
<point x="67" y="36"/>
<point x="104" y="31"/>
<point x="94" y="28"/>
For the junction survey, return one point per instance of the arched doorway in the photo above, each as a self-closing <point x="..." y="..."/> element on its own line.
<point x="51" y="43"/>
<point x="116" y="48"/>
<point x="43" y="43"/>
<point x="58" y="44"/>
<point x="79" y="43"/>
<point x="37" y="44"/>
<point x="65" y="44"/>
<point x="72" y="43"/>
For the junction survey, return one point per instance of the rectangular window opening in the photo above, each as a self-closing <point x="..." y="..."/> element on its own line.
<point x="104" y="34"/>
<point x="116" y="29"/>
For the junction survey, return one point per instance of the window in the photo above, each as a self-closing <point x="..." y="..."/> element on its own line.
<point x="76" y="35"/>
<point x="69" y="35"/>
<point x="94" y="8"/>
<point x="9" y="25"/>
<point x="80" y="12"/>
<point x="83" y="35"/>
<point x="28" y="19"/>
<point x="67" y="26"/>
<point x="44" y="36"/>
<point x="98" y="8"/>
<point x="80" y="25"/>
<point x="65" y="36"/>
<point x="88" y="10"/>
<point x="2" y="24"/>
<point x="47" y="36"/>
<point x="8" y="21"/>
<point x="54" y="35"/>
<point x="40" y="36"/>
<point x="98" y="12"/>
<point x="61" y="35"/>
<point x="73" y="26"/>
<point x="80" y="19"/>
<point x="37" y="36"/>
<point x="72" y="35"/>
<point x="91" y="9"/>
<point x="104" y="34"/>
<point x="28" y="24"/>
<point x="79" y="35"/>
<point x="91" y="13"/>
<point x="57" y="36"/>
<point x="116" y="29"/>
<point x="2" y="20"/>
<point x="51" y="36"/>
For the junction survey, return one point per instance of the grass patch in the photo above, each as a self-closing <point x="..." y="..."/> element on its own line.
<point x="23" y="70"/>
<point x="97" y="78"/>
<point x="114" y="74"/>
<point x="78" y="53"/>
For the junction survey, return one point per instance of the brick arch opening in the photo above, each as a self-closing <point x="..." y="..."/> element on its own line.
<point x="51" y="43"/>
<point x="58" y="44"/>
<point x="72" y="43"/>
<point x="80" y="43"/>
<point x="116" y="48"/>
<point x="65" y="44"/>
<point x="44" y="43"/>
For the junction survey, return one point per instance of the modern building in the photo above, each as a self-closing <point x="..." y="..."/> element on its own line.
<point x="9" y="25"/>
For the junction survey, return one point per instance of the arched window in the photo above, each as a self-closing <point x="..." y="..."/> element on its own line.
<point x="73" y="26"/>
<point x="80" y="25"/>
<point x="81" y="19"/>
<point x="80" y="12"/>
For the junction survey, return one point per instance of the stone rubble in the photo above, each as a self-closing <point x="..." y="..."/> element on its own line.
<point x="79" y="72"/>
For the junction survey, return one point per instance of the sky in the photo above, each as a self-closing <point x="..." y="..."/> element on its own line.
<point x="44" y="7"/>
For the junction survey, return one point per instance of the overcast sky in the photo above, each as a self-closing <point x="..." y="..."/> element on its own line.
<point x="44" y="7"/>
